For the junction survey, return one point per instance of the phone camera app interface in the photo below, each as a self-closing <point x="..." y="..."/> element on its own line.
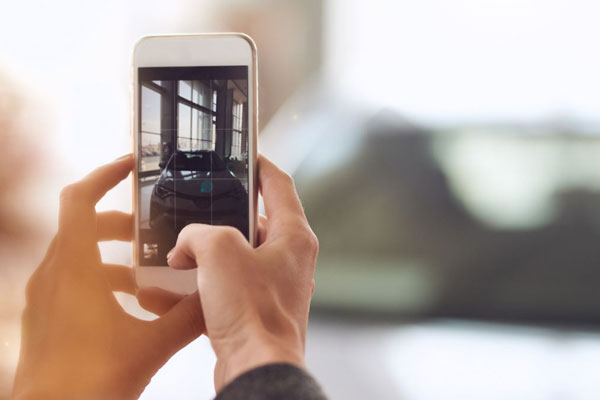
<point x="193" y="153"/>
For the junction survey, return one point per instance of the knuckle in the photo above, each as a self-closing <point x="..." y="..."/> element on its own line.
<point x="34" y="286"/>
<point x="27" y="317"/>
<point x="313" y="242"/>
<point x="145" y="302"/>
<point x="305" y="240"/>
<point x="224" y="235"/>
<point x="70" y="193"/>
<point x="286" y="177"/>
<point x="31" y="289"/>
<point x="188" y="230"/>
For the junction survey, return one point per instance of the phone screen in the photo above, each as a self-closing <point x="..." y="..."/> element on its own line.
<point x="193" y="153"/>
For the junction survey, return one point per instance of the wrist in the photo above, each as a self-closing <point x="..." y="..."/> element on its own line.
<point x="256" y="347"/>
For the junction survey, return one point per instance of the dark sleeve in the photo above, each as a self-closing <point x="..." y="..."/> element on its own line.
<point x="273" y="382"/>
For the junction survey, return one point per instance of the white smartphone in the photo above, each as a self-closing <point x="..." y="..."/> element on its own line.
<point x="194" y="107"/>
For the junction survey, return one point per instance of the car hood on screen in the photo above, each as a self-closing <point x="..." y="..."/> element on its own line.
<point x="190" y="182"/>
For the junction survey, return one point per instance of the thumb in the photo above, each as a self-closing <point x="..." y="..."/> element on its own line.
<point x="181" y="324"/>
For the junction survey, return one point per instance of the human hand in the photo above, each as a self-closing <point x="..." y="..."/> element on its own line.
<point x="77" y="341"/>
<point x="255" y="301"/>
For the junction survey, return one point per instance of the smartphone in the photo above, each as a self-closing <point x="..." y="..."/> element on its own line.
<point x="194" y="125"/>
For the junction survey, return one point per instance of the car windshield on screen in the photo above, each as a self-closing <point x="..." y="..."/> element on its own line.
<point x="200" y="161"/>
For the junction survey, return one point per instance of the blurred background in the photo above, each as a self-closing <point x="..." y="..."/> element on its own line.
<point x="446" y="152"/>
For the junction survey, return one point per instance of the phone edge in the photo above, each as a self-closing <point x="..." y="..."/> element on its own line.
<point x="253" y="145"/>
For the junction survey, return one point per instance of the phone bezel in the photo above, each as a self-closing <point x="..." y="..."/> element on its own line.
<point x="182" y="50"/>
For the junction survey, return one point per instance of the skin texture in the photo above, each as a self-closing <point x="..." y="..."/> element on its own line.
<point x="255" y="300"/>
<point x="253" y="303"/>
<point x="77" y="341"/>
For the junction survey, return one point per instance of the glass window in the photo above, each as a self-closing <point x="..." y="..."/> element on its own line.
<point x="238" y="111"/>
<point x="236" y="144"/>
<point x="185" y="89"/>
<point x="150" y="110"/>
<point x="184" y="143"/>
<point x="207" y="122"/>
<point x="196" y="94"/>
<point x="184" y="120"/>
<point x="196" y="124"/>
<point x="196" y="121"/>
<point x="236" y="135"/>
<point x="150" y="152"/>
<point x="150" y="129"/>
<point x="201" y="93"/>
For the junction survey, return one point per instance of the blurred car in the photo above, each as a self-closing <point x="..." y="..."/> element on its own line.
<point x="197" y="187"/>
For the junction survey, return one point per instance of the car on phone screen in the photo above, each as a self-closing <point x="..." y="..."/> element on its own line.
<point x="197" y="187"/>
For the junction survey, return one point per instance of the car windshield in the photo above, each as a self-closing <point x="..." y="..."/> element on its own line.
<point x="196" y="161"/>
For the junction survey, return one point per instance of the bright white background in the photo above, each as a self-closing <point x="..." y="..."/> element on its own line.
<point x="468" y="60"/>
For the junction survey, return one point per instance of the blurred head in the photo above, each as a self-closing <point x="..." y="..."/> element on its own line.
<point x="288" y="34"/>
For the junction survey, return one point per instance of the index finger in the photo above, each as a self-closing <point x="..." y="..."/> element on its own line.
<point x="77" y="215"/>
<point x="279" y="193"/>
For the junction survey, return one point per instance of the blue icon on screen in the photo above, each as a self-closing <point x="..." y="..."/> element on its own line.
<point x="206" y="187"/>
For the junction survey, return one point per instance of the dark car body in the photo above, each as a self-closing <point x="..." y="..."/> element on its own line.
<point x="197" y="187"/>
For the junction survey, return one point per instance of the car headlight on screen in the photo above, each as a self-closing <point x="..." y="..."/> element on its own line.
<point x="162" y="191"/>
